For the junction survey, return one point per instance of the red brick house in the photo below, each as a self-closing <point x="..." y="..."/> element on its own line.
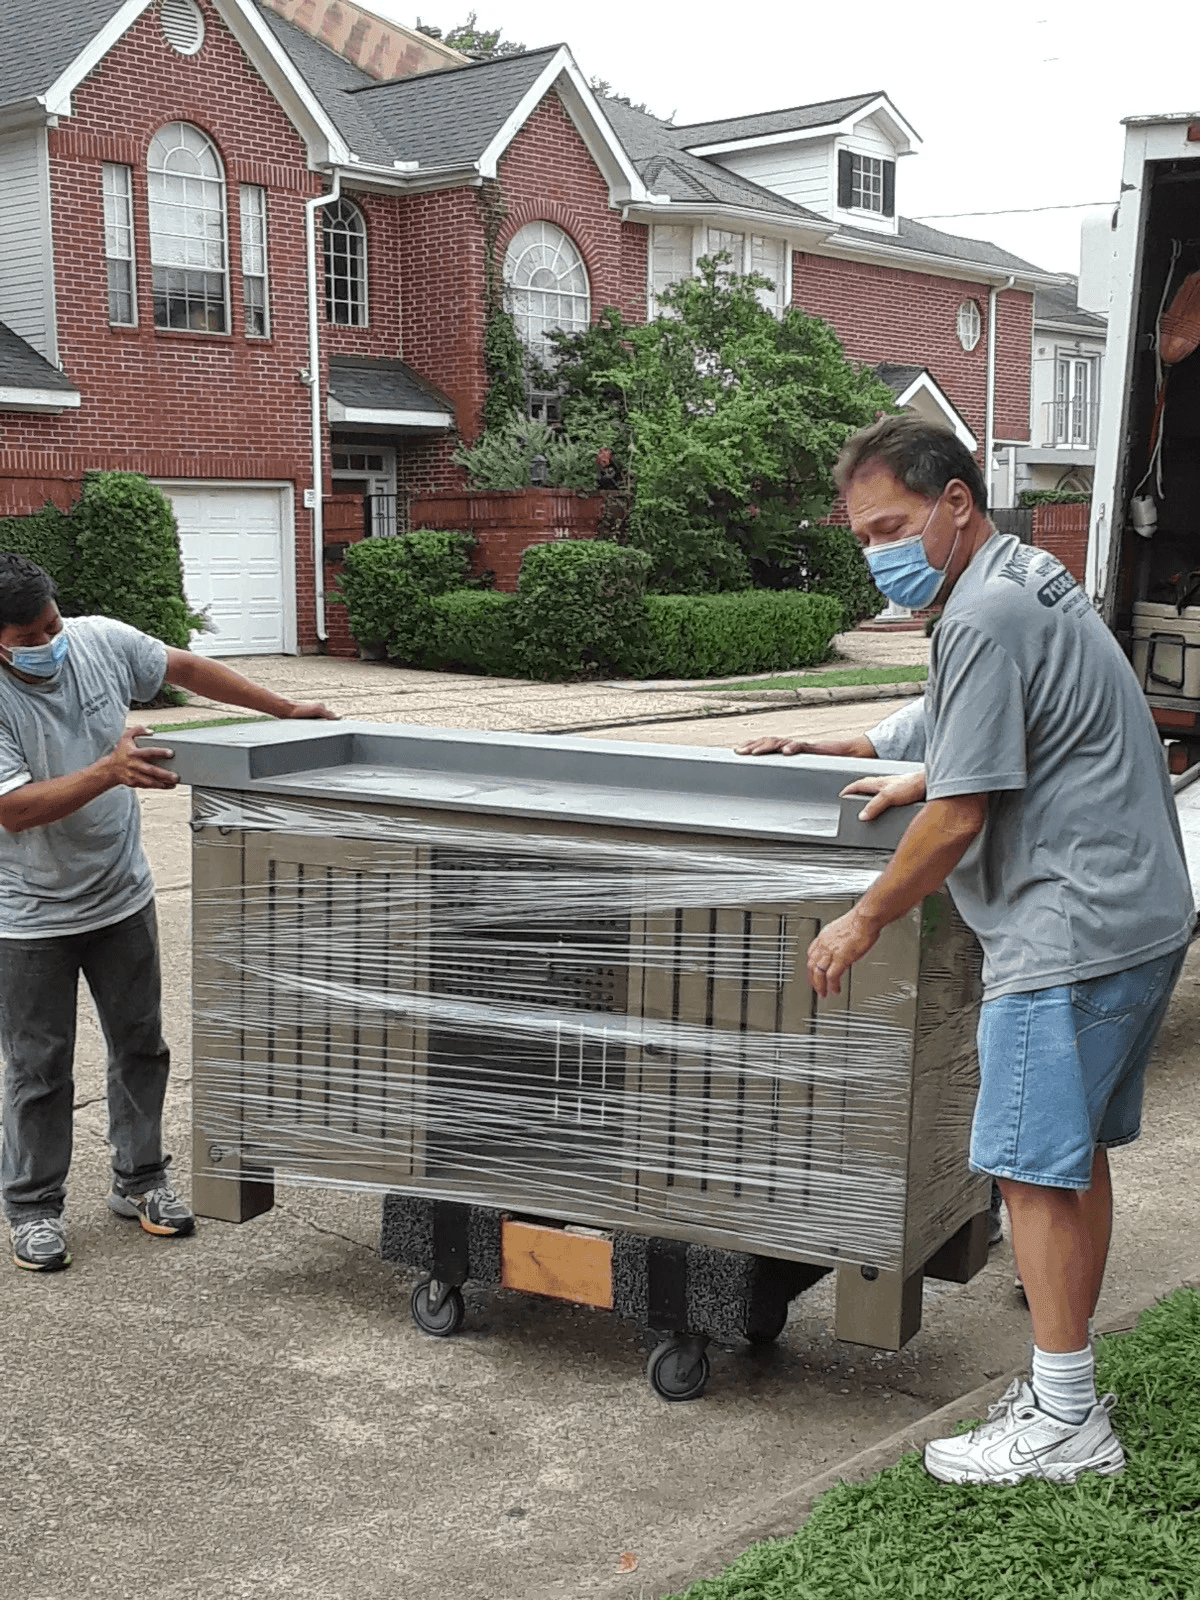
<point x="247" y="250"/>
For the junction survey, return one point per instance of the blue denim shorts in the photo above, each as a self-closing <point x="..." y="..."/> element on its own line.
<point x="1062" y="1071"/>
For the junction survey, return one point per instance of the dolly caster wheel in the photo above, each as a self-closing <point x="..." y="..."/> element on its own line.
<point x="437" y="1308"/>
<point x="679" y="1369"/>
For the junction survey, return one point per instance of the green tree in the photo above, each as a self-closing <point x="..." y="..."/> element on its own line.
<point x="481" y="44"/>
<point x="728" y="420"/>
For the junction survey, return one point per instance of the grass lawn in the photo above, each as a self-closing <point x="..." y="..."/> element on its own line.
<point x="832" y="680"/>
<point x="903" y="1536"/>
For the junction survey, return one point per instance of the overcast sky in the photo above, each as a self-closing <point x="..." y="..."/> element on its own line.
<point x="1017" y="105"/>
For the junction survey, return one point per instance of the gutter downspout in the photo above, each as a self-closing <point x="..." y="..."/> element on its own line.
<point x="313" y="379"/>
<point x="989" y="414"/>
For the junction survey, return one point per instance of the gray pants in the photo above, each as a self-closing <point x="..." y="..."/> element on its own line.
<point x="39" y="985"/>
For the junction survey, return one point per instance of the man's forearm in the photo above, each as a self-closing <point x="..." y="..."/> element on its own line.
<point x="935" y="842"/>
<point x="34" y="805"/>
<point x="216" y="681"/>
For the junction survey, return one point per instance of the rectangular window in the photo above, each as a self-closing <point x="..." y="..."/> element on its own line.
<point x="118" y="245"/>
<point x="768" y="257"/>
<point x="254" y="260"/>
<point x="671" y="258"/>
<point x="1075" y="405"/>
<point x="866" y="183"/>
<point x="730" y="244"/>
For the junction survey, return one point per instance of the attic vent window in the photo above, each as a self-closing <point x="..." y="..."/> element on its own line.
<point x="182" y="25"/>
<point x="970" y="324"/>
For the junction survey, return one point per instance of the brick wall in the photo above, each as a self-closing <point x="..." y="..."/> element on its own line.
<point x="909" y="318"/>
<point x="1063" y="530"/>
<point x="165" y="402"/>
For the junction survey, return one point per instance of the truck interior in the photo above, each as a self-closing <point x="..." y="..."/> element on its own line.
<point x="1158" y="486"/>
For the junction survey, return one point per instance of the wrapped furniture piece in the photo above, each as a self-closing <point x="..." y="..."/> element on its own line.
<point x="548" y="996"/>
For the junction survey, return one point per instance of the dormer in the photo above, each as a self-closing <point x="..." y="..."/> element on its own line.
<point x="837" y="157"/>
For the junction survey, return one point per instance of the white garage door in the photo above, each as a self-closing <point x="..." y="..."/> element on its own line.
<point x="232" y="540"/>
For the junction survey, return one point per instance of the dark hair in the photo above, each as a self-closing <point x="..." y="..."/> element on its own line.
<point x="25" y="590"/>
<point x="923" y="456"/>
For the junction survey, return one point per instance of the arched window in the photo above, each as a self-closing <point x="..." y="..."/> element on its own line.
<point x="345" y="265"/>
<point x="547" y="285"/>
<point x="187" y="230"/>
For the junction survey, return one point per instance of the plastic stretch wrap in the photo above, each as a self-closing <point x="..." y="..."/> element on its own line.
<point x="598" y="1027"/>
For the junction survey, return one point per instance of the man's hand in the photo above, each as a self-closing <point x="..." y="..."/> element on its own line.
<point x="836" y="948"/>
<point x="859" y="748"/>
<point x="907" y="790"/>
<point x="310" y="713"/>
<point x="138" y="769"/>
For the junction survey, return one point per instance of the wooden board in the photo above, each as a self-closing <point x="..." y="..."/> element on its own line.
<point x="553" y="1262"/>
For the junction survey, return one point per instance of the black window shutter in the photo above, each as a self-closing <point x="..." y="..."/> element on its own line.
<point x="889" y="188"/>
<point x="845" y="179"/>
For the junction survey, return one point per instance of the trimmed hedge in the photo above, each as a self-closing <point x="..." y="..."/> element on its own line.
<point x="581" y="608"/>
<point x="115" y="554"/>
<point x="474" y="629"/>
<point x="758" y="630"/>
<point x="387" y="586"/>
<point x="830" y="561"/>
<point x="1054" y="497"/>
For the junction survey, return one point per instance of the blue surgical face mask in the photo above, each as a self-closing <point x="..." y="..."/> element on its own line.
<point x="904" y="572"/>
<point x="40" y="660"/>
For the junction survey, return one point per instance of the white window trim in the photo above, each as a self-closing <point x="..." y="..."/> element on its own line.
<point x="120" y="166"/>
<point x="207" y="333"/>
<point x="511" y="288"/>
<point x="365" y="265"/>
<point x="699" y="248"/>
<point x="265" y="275"/>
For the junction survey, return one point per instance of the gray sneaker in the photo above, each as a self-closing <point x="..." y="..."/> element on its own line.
<point x="40" y="1245"/>
<point x="160" y="1210"/>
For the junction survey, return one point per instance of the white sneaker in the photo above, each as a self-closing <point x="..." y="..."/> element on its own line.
<point x="1021" y="1441"/>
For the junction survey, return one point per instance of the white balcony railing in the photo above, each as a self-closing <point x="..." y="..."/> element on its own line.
<point x="1069" y="423"/>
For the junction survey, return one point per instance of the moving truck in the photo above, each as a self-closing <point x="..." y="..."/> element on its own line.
<point x="1143" y="571"/>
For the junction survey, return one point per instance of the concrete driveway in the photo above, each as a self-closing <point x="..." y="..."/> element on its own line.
<point x="251" y="1413"/>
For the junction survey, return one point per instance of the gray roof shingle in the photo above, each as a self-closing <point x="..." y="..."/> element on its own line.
<point x="38" y="42"/>
<point x="800" y="118"/>
<point x="449" y="117"/>
<point x="377" y="383"/>
<point x="897" y="378"/>
<point x="332" y="81"/>
<point x="21" y="367"/>
<point x="1058" y="303"/>
<point x="665" y="167"/>
<point x="918" y="237"/>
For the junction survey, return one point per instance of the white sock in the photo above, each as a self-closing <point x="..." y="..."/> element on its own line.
<point x="1065" y="1382"/>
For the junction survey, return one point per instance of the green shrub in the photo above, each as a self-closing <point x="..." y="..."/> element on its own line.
<point x="581" y="609"/>
<point x="47" y="537"/>
<point x="502" y="457"/>
<point x="1054" y="497"/>
<point x="127" y="561"/>
<point x="387" y="586"/>
<point x="473" y="629"/>
<point x="830" y="561"/>
<point x="759" y="630"/>
<point x="115" y="554"/>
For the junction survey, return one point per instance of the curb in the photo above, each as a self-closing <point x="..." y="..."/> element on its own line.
<point x="783" y="1516"/>
<point x="745" y="707"/>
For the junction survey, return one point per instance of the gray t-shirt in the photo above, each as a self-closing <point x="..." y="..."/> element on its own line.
<point x="1079" y="870"/>
<point x="89" y="870"/>
<point x="901" y="736"/>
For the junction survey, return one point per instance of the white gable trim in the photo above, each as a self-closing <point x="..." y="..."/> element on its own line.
<point x="800" y="233"/>
<point x="324" y="143"/>
<point x="582" y="107"/>
<point x="13" y="398"/>
<point x="903" y="133"/>
<point x="57" y="98"/>
<point x="923" y="386"/>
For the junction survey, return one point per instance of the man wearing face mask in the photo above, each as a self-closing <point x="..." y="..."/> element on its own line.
<point x="1049" y="810"/>
<point x="76" y="895"/>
